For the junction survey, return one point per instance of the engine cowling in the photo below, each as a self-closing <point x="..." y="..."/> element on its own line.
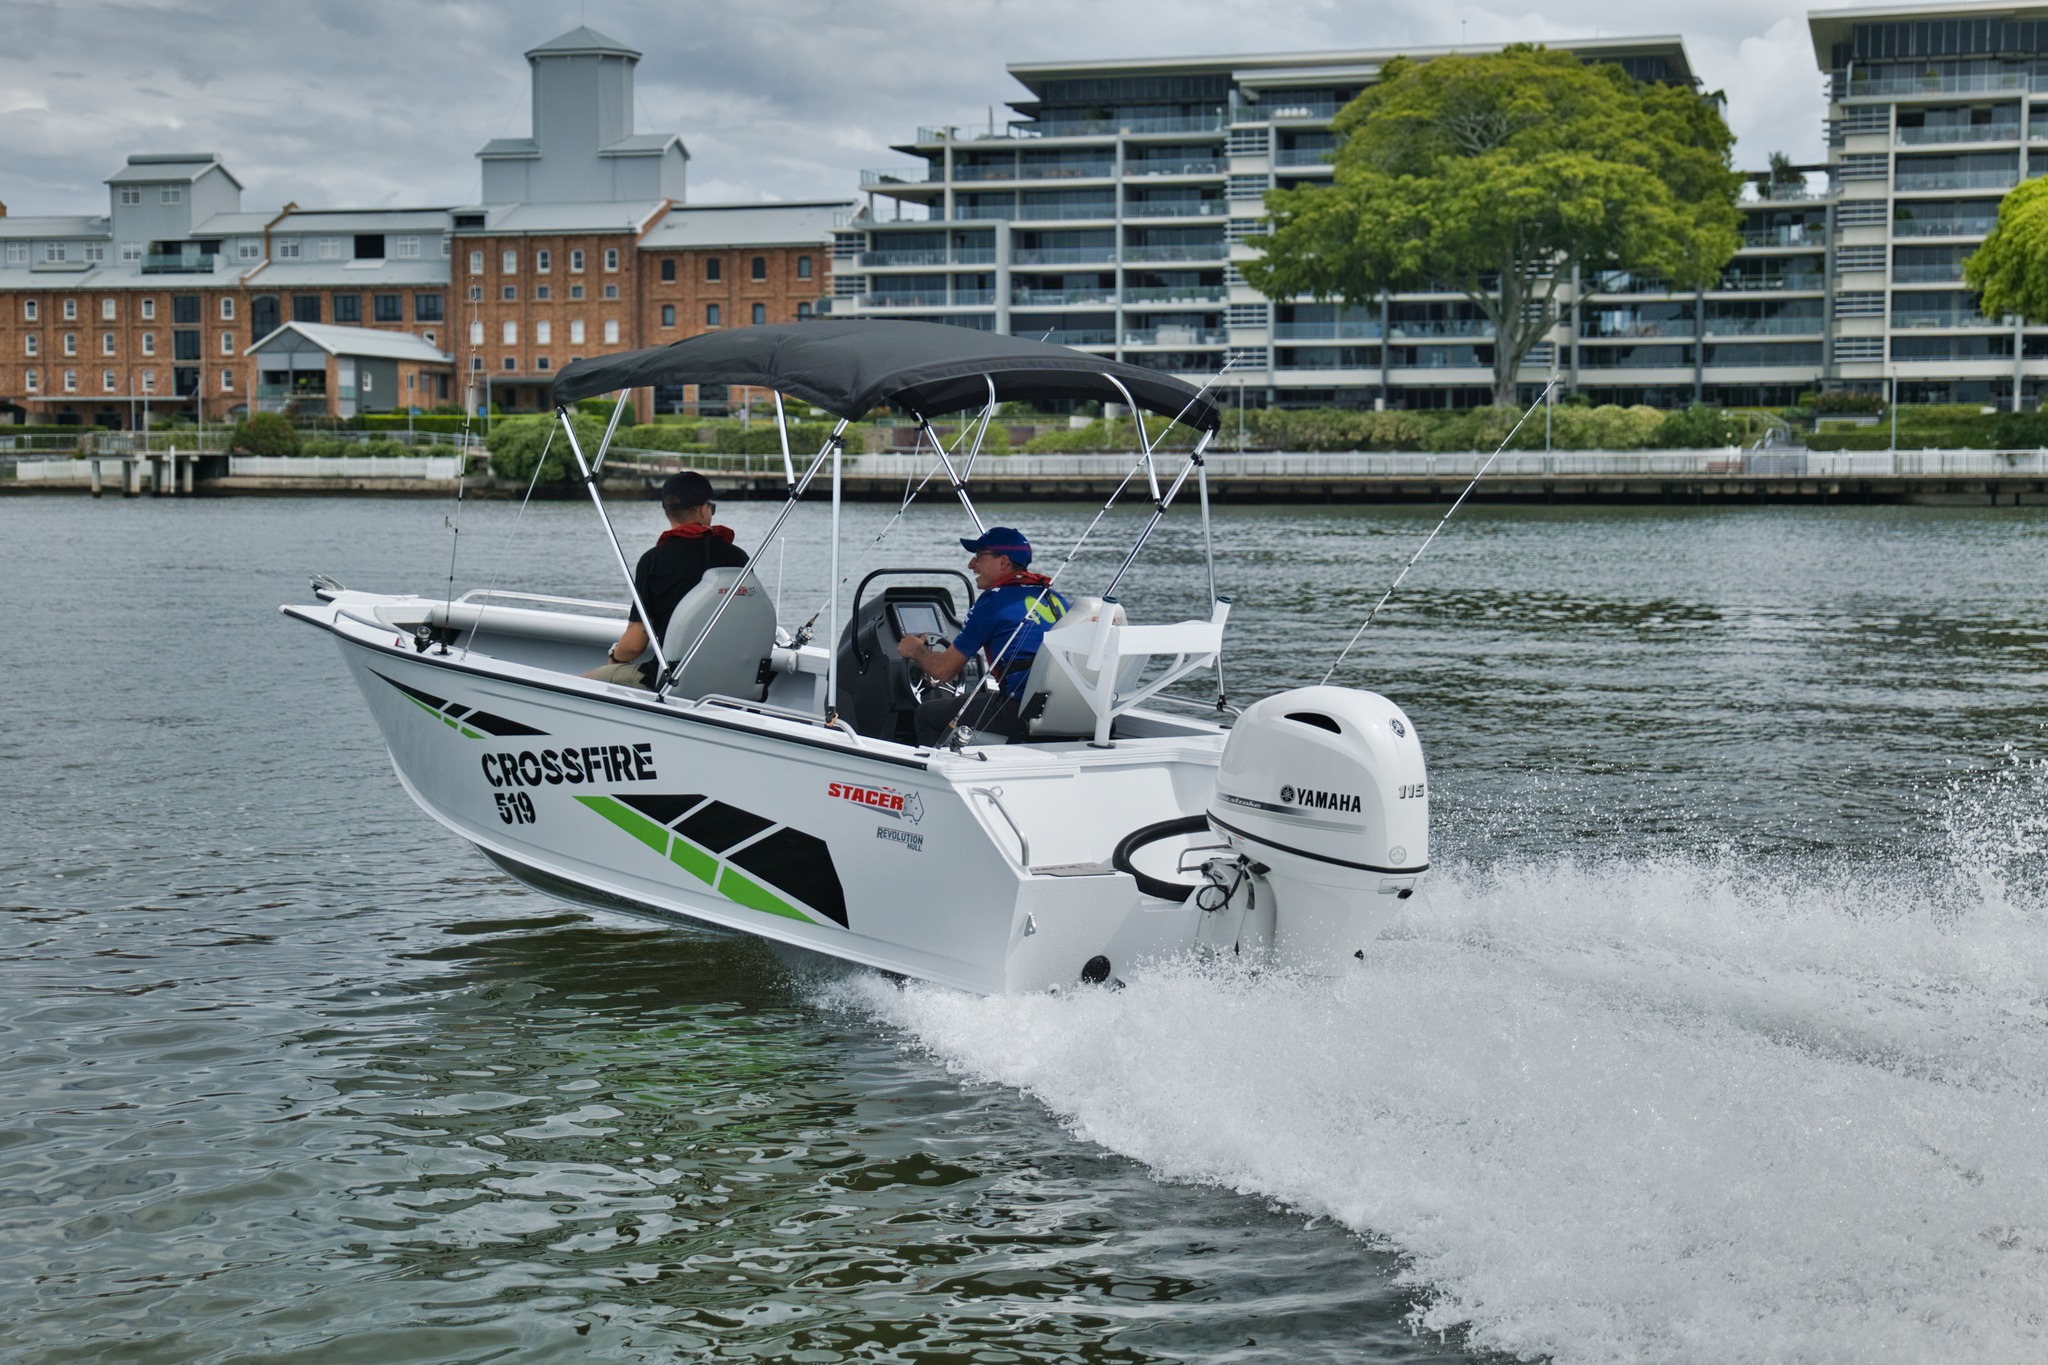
<point x="1325" y="788"/>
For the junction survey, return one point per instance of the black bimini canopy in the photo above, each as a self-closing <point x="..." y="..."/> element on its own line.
<point x="849" y="368"/>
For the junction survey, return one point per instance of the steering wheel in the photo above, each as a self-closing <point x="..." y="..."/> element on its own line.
<point x="922" y="684"/>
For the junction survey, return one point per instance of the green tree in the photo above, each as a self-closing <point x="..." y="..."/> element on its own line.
<point x="2010" y="270"/>
<point x="265" y="433"/>
<point x="1494" y="176"/>
<point x="516" y="445"/>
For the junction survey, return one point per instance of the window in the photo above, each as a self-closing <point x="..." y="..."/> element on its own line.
<point x="28" y="310"/>
<point x="668" y="315"/>
<point x="476" y="362"/>
<point x="95" y="251"/>
<point x="540" y="362"/>
<point x="17" y="253"/>
<point x="185" y="345"/>
<point x="149" y="381"/>
<point x="305" y="308"/>
<point x="131" y="196"/>
<point x="149" y="343"/>
<point x="510" y="363"/>
<point x="149" y="310"/>
<point x="348" y="307"/>
<point x="71" y="381"/>
<point x="369" y="246"/>
<point x="106" y="343"/>
<point x="509" y="293"/>
<point x="576" y="260"/>
<point x="760" y="313"/>
<point x="711" y="273"/>
<point x="576" y="332"/>
<point x="611" y="258"/>
<point x="288" y="248"/>
<point x="543" y="332"/>
<point x="330" y="248"/>
<point x="511" y="334"/>
<point x="575" y="291"/>
<point x="33" y="381"/>
<point x="185" y="309"/>
<point x="611" y="330"/>
<point x="53" y="251"/>
<point x="803" y="267"/>
<point x="476" y="293"/>
<point x="248" y="249"/>
<point x="611" y="291"/>
<point x="227" y="381"/>
<point x="227" y="308"/>
<point x="171" y="194"/>
<point x="803" y="312"/>
<point x="543" y="261"/>
<point x="408" y="248"/>
<point x="227" y="343"/>
<point x="388" y="307"/>
<point x="476" y="334"/>
<point x="71" y="343"/>
<point x="476" y="262"/>
<point x="106" y="310"/>
<point x="760" y="269"/>
<point x="31" y="344"/>
<point x="668" y="268"/>
<point x="106" y="381"/>
<point x="131" y="251"/>
<point x="508" y="263"/>
<point x="710" y="315"/>
<point x="71" y="310"/>
<point x="543" y="292"/>
<point x="426" y="307"/>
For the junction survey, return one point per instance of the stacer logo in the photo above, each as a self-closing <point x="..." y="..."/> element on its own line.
<point x="887" y="801"/>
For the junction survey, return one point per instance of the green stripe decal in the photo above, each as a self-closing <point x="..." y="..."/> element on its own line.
<point x="737" y="888"/>
<point x="694" y="861"/>
<point x="631" y="821"/>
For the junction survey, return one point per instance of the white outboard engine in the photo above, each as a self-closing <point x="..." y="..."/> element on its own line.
<point x="1324" y="789"/>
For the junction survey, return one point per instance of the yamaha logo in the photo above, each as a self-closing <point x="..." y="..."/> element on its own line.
<point x="1309" y="799"/>
<point x="1287" y="796"/>
<point x="1400" y="730"/>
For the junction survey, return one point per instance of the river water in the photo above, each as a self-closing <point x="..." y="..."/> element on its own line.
<point x="1719" y="1035"/>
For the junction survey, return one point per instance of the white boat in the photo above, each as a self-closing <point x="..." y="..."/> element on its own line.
<point x="771" y="786"/>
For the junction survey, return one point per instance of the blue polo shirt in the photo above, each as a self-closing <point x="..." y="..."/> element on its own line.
<point x="995" y="619"/>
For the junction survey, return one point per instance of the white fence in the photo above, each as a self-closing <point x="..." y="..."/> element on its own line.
<point x="59" y="472"/>
<point x="1519" y="463"/>
<point x="346" y="466"/>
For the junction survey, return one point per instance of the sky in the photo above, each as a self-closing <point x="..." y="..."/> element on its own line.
<point x="384" y="102"/>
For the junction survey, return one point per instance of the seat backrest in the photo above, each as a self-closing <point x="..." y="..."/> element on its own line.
<point x="1066" y="711"/>
<point x="730" y="663"/>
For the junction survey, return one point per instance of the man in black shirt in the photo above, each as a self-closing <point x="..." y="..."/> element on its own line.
<point x="667" y="572"/>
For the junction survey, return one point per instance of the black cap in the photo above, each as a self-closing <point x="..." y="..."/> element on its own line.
<point x="688" y="489"/>
<point x="1001" y="540"/>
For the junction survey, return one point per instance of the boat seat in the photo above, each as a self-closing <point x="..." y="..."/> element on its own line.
<point x="1065" y="696"/>
<point x="734" y="661"/>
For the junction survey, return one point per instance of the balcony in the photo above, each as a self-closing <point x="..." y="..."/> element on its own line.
<point x="883" y="260"/>
<point x="1765" y="327"/>
<point x="1942" y="227"/>
<point x="1362" y="330"/>
<point x="1965" y="132"/>
<point x="1790" y="283"/>
<point x="1941" y="317"/>
<point x="1176" y="336"/>
<point x="164" y="263"/>
<point x="1176" y="208"/>
<point x="1064" y="170"/>
<point x="1177" y="293"/>
<point x="1280" y="111"/>
<point x="1303" y="156"/>
<point x="1167" y="166"/>
<point x="929" y="298"/>
<point x="1178" y="251"/>
<point x="906" y="175"/>
<point x="1950" y="272"/>
<point x="1200" y="123"/>
<point x="1065" y="255"/>
<point x="1939" y="85"/>
<point x="1080" y="336"/>
<point x="1103" y="208"/>
<point x="1424" y="329"/>
<point x="1624" y="330"/>
<point x="1060" y="298"/>
<point x="1956" y="180"/>
<point x="1785" y="236"/>
<point x="967" y="213"/>
<point x="1442" y="358"/>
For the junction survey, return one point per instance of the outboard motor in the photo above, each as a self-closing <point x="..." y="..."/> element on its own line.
<point x="1323" y="790"/>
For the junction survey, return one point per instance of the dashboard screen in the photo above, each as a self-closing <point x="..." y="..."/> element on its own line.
<point x="918" y="618"/>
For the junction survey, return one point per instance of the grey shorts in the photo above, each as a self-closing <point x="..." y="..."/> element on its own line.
<point x="623" y="675"/>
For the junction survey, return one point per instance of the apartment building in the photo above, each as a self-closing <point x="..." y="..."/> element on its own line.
<point x="581" y="244"/>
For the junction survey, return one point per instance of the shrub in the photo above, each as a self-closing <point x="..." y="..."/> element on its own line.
<point x="265" y="433"/>
<point x="1698" y="427"/>
<point x="516" y="445"/>
<point x="601" y="409"/>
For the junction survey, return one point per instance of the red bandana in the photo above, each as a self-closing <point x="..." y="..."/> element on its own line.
<point x="1021" y="578"/>
<point x="697" y="531"/>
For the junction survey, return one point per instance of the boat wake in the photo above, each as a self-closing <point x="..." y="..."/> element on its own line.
<point x="1680" y="1110"/>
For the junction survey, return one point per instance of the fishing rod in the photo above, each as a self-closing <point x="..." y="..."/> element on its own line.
<point x="1420" y="549"/>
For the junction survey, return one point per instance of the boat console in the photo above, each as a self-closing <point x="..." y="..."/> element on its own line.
<point x="879" y="689"/>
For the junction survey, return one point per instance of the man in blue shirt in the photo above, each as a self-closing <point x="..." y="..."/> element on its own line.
<point x="1008" y="620"/>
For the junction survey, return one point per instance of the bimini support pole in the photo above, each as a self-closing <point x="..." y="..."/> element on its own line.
<point x="604" y="447"/>
<point x="618" y="551"/>
<point x="1209" y="558"/>
<point x="782" y="430"/>
<point x="924" y="430"/>
<point x="1159" y="512"/>
<point x="796" y="490"/>
<point x="1144" y="440"/>
<point x="832" y="606"/>
<point x="988" y="413"/>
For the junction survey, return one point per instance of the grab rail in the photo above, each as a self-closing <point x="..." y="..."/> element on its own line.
<point x="995" y="797"/>
<point x="782" y="712"/>
<point x="474" y="593"/>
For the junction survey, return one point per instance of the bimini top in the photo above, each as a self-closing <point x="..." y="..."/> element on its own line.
<point x="850" y="368"/>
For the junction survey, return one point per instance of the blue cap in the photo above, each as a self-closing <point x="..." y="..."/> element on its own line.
<point x="1001" y="540"/>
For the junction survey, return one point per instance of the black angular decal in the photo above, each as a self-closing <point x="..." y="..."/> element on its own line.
<point x="662" y="810"/>
<point x="453" y="711"/>
<point x="801" y="865"/>
<point x="719" y="826"/>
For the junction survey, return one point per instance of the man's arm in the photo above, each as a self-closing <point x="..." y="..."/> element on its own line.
<point x="941" y="665"/>
<point x="632" y="644"/>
